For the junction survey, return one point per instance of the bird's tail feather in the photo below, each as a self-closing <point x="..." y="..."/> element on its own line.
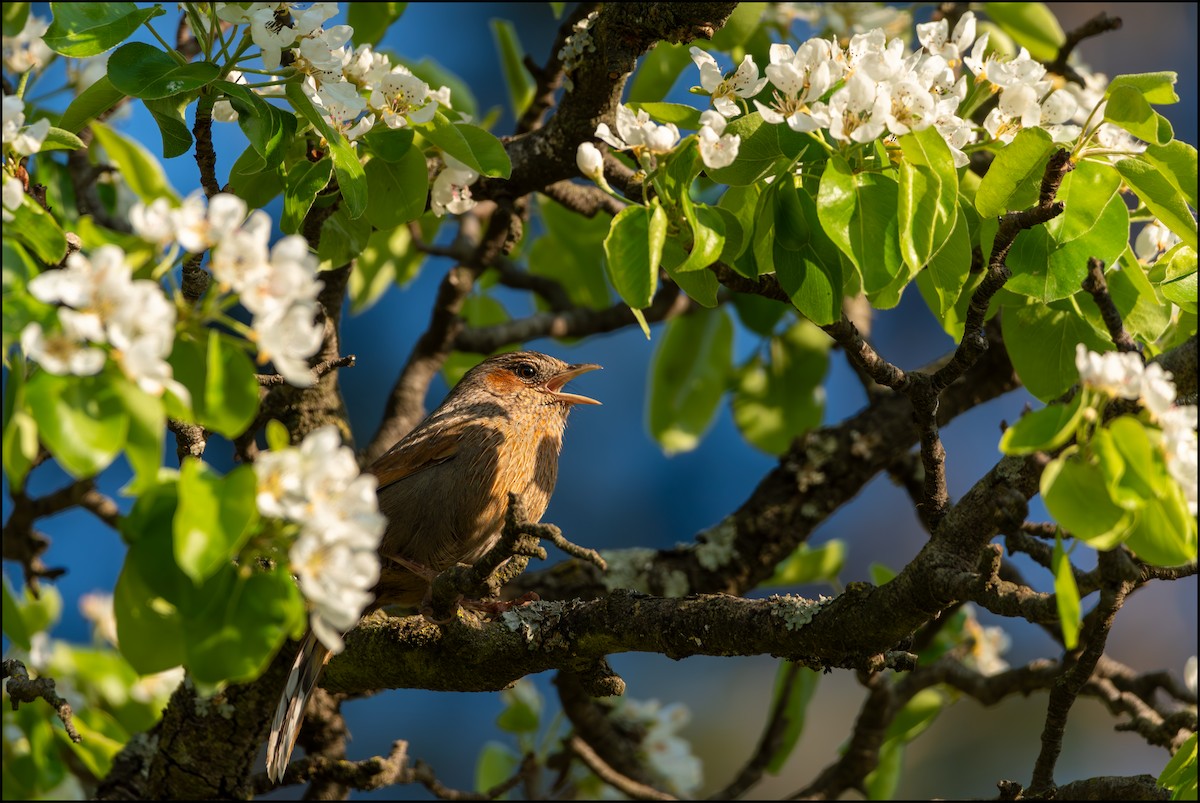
<point x="290" y="713"/>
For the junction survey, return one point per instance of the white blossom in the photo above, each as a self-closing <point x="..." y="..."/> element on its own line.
<point x="636" y="132"/>
<point x="26" y="51"/>
<point x="935" y="37"/>
<point x="911" y="108"/>
<point x="590" y="161"/>
<point x="1152" y="240"/>
<point x="223" y="111"/>
<point x="717" y="149"/>
<point x="668" y="755"/>
<point x="318" y="485"/>
<point x="800" y="78"/>
<point x="451" y="191"/>
<point x="154" y="223"/>
<point x="1189" y="674"/>
<point x="25" y="140"/>
<point x="62" y="352"/>
<point x="97" y="608"/>
<point x="742" y="83"/>
<point x="1117" y="374"/>
<point x="402" y="98"/>
<point x="287" y="338"/>
<point x="1157" y="390"/>
<point x="858" y="111"/>
<point x="1180" y="449"/>
<point x="82" y="73"/>
<point x="13" y="197"/>
<point x="988" y="644"/>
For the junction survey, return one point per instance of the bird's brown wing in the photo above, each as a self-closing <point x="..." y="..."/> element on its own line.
<point x="414" y="454"/>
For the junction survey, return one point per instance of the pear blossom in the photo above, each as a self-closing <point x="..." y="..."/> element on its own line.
<point x="717" y="149"/>
<point x="1179" y="448"/>
<point x="911" y="108"/>
<point x="319" y="486"/>
<point x="1152" y="240"/>
<point x="858" y="111"/>
<point x="1021" y="106"/>
<point x="153" y="223"/>
<point x="223" y="111"/>
<point x="1114" y="373"/>
<point x="957" y="132"/>
<point x="287" y="338"/>
<point x="289" y="278"/>
<point x="591" y="163"/>
<point x="61" y="352"/>
<point x="451" y="191"/>
<point x="636" y="132"/>
<point x="1157" y="390"/>
<point x="13" y="197"/>
<point x="366" y="67"/>
<point x="275" y="27"/>
<point x="800" y="77"/>
<point x="26" y="51"/>
<point x="935" y="37"/>
<point x="742" y="83"/>
<point x="321" y="54"/>
<point x="25" y="140"/>
<point x="668" y="755"/>
<point x="402" y="98"/>
<point x="987" y="645"/>
<point x="97" y="608"/>
<point x="82" y="73"/>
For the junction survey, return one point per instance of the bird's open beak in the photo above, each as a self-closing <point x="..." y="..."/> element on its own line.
<point x="556" y="382"/>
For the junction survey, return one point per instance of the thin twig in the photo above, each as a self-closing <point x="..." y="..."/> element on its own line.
<point x="1097" y="287"/>
<point x="319" y="370"/>
<point x="22" y="689"/>
<point x="1101" y="23"/>
<point x="622" y="783"/>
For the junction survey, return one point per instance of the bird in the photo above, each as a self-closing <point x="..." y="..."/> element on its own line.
<point x="444" y="490"/>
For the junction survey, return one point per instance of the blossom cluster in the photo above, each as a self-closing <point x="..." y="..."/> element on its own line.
<point x="26" y="51"/>
<point x="277" y="284"/>
<point x="19" y="140"/>
<point x="1122" y="375"/>
<point x="318" y="486"/>
<point x="103" y="304"/>
<point x="353" y="89"/>
<point x="668" y="755"/>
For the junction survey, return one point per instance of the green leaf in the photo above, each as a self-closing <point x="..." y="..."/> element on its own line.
<point x="252" y="181"/>
<point x="37" y="228"/>
<point x="681" y="115"/>
<point x="214" y="517"/>
<point x="350" y="175"/>
<point x="943" y="279"/>
<point x="79" y="418"/>
<point x="1164" y="532"/>
<point x="806" y="260"/>
<point x="1179" y="277"/>
<point x="800" y="690"/>
<point x="1180" y="771"/>
<point x="1162" y="198"/>
<point x="1076" y="495"/>
<point x="739" y="26"/>
<point x="633" y="250"/>
<point x="765" y="150"/>
<point x="469" y="144"/>
<point x="1176" y="161"/>
<point x="1050" y="262"/>
<point x="80" y="30"/>
<point x="1156" y="87"/>
<point x="1066" y="594"/>
<point x="371" y="21"/>
<point x="342" y="239"/>
<point x="572" y="254"/>
<point x="20" y="443"/>
<point x="398" y="190"/>
<point x="138" y="167"/>
<point x="1019" y="164"/>
<point x="388" y="259"/>
<point x="512" y="62"/>
<point x="149" y="627"/>
<point x="168" y="112"/>
<point x="928" y="196"/>
<point x="304" y="181"/>
<point x="495" y="765"/>
<point x="90" y="104"/>
<point x="758" y="314"/>
<point x="145" y="71"/>
<point x="658" y="71"/>
<point x="13" y="620"/>
<point x="270" y="130"/>
<point x="807" y="565"/>
<point x="1041" y="341"/>
<point x="777" y="401"/>
<point x="147" y="425"/>
<point x="15" y="16"/>
<point x="389" y="144"/>
<point x="688" y="378"/>
<point x="240" y="619"/>
<point x="1032" y="25"/>
<point x="708" y="238"/>
<point x="59" y="139"/>
<point x="1128" y="109"/>
<point x="522" y="711"/>
<point x="230" y="388"/>
<point x="859" y="213"/>
<point x="1044" y="430"/>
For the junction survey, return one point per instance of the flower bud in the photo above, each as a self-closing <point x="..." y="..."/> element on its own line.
<point x="591" y="163"/>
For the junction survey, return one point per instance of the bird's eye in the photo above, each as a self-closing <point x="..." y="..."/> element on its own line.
<point x="524" y="370"/>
